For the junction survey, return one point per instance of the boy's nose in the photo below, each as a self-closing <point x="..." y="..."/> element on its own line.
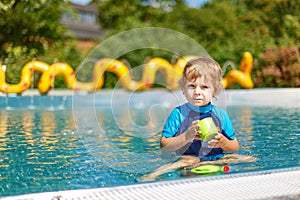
<point x="197" y="90"/>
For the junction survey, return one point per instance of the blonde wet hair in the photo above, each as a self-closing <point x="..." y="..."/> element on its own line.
<point x="204" y="67"/>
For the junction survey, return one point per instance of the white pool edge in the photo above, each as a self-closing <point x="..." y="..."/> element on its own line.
<point x="270" y="184"/>
<point x="264" y="97"/>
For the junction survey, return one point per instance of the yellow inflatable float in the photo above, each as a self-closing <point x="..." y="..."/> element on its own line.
<point x="171" y="73"/>
<point x="242" y="76"/>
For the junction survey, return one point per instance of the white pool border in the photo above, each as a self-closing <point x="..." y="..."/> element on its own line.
<point x="272" y="184"/>
<point x="252" y="97"/>
<point x="264" y="97"/>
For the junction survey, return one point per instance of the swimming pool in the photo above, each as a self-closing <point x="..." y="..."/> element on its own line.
<point x="80" y="141"/>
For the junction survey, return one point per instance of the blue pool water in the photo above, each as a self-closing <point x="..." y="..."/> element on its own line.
<point x="51" y="143"/>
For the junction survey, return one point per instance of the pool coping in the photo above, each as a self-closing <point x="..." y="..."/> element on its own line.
<point x="243" y="97"/>
<point x="56" y="92"/>
<point x="277" y="184"/>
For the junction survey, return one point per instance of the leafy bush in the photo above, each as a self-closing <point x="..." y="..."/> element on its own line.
<point x="16" y="58"/>
<point x="280" y="67"/>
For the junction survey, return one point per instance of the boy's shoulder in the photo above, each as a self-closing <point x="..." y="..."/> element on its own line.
<point x="219" y="111"/>
<point x="182" y="109"/>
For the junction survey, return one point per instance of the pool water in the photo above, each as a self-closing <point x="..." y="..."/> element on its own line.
<point x="49" y="148"/>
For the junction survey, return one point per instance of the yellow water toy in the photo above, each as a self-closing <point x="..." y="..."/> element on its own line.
<point x="242" y="76"/>
<point x="171" y="73"/>
<point x="25" y="80"/>
<point x="208" y="169"/>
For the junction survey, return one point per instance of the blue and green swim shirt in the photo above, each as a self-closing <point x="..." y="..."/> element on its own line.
<point x="182" y="117"/>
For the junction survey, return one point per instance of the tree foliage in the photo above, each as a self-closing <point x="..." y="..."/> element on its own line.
<point x="34" y="24"/>
<point x="225" y="28"/>
<point x="32" y="30"/>
<point x="119" y="15"/>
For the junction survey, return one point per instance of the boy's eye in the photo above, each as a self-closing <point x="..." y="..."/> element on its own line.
<point x="191" y="86"/>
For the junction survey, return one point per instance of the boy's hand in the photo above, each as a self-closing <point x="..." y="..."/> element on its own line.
<point x="193" y="131"/>
<point x="219" y="141"/>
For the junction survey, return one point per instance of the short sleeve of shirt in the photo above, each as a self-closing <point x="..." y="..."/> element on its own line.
<point x="226" y="123"/>
<point x="173" y="123"/>
<point x="227" y="126"/>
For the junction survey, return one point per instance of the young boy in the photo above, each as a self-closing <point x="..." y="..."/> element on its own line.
<point x="200" y="82"/>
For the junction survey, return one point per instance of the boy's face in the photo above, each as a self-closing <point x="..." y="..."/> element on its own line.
<point x="198" y="92"/>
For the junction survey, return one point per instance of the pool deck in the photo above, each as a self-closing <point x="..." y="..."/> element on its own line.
<point x="281" y="184"/>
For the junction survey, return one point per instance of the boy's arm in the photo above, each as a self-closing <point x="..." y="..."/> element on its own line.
<point x="175" y="143"/>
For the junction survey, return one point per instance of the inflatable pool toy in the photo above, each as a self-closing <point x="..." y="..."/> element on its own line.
<point x="242" y="76"/>
<point x="171" y="73"/>
<point x="208" y="169"/>
<point x="46" y="82"/>
<point x="25" y="80"/>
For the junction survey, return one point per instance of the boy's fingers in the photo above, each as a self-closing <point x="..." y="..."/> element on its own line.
<point x="195" y="122"/>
